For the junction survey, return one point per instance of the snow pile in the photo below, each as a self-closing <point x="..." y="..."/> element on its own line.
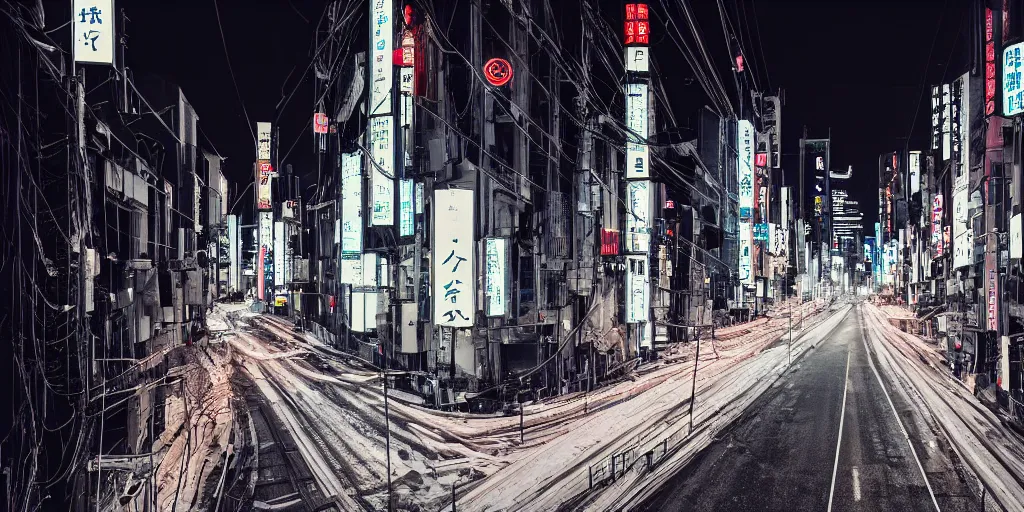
<point x="198" y="422"/>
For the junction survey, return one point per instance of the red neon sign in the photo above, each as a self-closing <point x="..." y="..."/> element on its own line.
<point x="498" y="72"/>
<point x="761" y="160"/>
<point x="637" y="27"/>
<point x="990" y="64"/>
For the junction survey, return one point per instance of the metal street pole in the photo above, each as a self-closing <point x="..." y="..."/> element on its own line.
<point x="693" y="388"/>
<point x="387" y="427"/>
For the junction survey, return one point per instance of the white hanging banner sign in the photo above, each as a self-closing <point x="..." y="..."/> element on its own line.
<point x="638" y="214"/>
<point x="638" y="59"/>
<point x="454" y="288"/>
<point x="382" y="132"/>
<point x="381" y="70"/>
<point x="351" y="203"/>
<point x="637" y="289"/>
<point x="93" y="23"/>
<point x="636" y="140"/>
<point x="496" y="276"/>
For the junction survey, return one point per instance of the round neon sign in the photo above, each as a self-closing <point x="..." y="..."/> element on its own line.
<point x="498" y="72"/>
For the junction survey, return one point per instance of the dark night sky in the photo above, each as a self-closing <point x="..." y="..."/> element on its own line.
<point x="855" y="67"/>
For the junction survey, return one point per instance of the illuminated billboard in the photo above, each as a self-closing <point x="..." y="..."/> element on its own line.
<point x="1013" y="86"/>
<point x="351" y="203"/>
<point x="636" y="140"/>
<point x="745" y="167"/>
<point x="638" y="208"/>
<point x="382" y="183"/>
<point x="453" y="279"/>
<point x="496" y="275"/>
<point x="638" y="289"/>
<point x="381" y="72"/>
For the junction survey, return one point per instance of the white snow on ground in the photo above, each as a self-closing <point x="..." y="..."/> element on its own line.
<point x="336" y="413"/>
<point x="198" y="425"/>
<point x="994" y="453"/>
<point x="657" y="421"/>
<point x="217" y="319"/>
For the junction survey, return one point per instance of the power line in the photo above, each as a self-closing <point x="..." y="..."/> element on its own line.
<point x="928" y="63"/>
<point x="231" y="71"/>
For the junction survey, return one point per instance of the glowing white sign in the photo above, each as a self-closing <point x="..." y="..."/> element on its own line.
<point x="381" y="71"/>
<point x="279" y="243"/>
<point x="745" y="257"/>
<point x="1013" y="86"/>
<point x="637" y="58"/>
<point x="94" y="23"/>
<point x="638" y="289"/>
<point x="638" y="214"/>
<point x="351" y="203"/>
<point x="454" y="283"/>
<point x="745" y="167"/>
<point x="636" y="139"/>
<point x="382" y="132"/>
<point x="496" y="276"/>
<point x="915" y="171"/>
<point x="406" y="217"/>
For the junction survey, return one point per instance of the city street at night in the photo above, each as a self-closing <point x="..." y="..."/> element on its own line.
<point x="512" y="255"/>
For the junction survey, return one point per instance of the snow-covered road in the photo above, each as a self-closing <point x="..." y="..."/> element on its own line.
<point x="333" y="407"/>
<point x="993" y="452"/>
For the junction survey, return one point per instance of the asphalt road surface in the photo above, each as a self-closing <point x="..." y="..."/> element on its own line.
<point x="786" y="452"/>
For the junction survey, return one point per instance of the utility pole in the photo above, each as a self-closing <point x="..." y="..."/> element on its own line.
<point x="387" y="428"/>
<point x="693" y="388"/>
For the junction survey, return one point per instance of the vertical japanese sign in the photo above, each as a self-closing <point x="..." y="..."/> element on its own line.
<point x="636" y="140"/>
<point x="351" y="203"/>
<point x="263" y="190"/>
<point x="637" y="290"/>
<point x="947" y="107"/>
<point x="637" y="30"/>
<point x="937" y="225"/>
<point x="263" y="141"/>
<point x="992" y="288"/>
<point x="263" y="167"/>
<point x="745" y="168"/>
<point x="1013" y="87"/>
<point x="990" y="63"/>
<point x="915" y="172"/>
<point x="496" y="276"/>
<point x="453" y="279"/>
<point x="93" y="23"/>
<point x="279" y="244"/>
<point x="638" y="207"/>
<point x="936" y="117"/>
<point x="406" y="215"/>
<point x="963" y="238"/>
<point x="382" y="132"/>
<point x="234" y="254"/>
<point x="745" y="253"/>
<point x="266" y="244"/>
<point x="381" y="40"/>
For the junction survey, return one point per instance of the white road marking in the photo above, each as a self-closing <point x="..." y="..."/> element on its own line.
<point x="842" y="417"/>
<point x="856" y="484"/>
<point x="899" y="422"/>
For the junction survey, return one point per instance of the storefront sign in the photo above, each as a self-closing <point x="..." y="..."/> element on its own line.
<point x="636" y="139"/>
<point x="381" y="72"/>
<point x="1013" y="86"/>
<point x="454" y="247"/>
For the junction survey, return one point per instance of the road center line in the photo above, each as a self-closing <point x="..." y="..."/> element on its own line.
<point x="842" y="417"/>
<point x="856" y="484"/>
<point x="863" y="339"/>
